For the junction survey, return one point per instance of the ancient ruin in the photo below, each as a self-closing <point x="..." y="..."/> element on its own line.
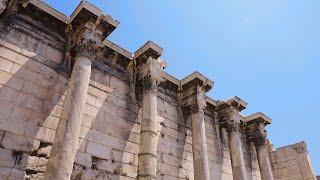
<point x="74" y="105"/>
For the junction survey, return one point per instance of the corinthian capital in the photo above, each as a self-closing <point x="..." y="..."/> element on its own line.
<point x="194" y="88"/>
<point x="149" y="65"/>
<point x="255" y="128"/>
<point x="87" y="29"/>
<point x="229" y="113"/>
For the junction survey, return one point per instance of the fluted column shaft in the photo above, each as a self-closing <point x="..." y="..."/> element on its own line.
<point x="230" y="120"/>
<point x="264" y="162"/>
<point x="148" y="136"/>
<point x="238" y="167"/>
<point x="199" y="145"/>
<point x="66" y="141"/>
<point x="149" y="77"/>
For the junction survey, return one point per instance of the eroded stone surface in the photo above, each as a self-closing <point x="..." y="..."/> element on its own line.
<point x="131" y="107"/>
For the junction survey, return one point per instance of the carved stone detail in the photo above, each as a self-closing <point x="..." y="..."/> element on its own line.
<point x="257" y="134"/>
<point x="150" y="74"/>
<point x="230" y="119"/>
<point x="195" y="103"/>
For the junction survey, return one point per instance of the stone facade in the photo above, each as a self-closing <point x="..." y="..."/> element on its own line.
<point x="74" y="105"/>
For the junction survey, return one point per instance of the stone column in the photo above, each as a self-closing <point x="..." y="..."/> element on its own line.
<point x="229" y="112"/>
<point x="86" y="42"/>
<point x="264" y="163"/>
<point x="150" y="69"/>
<point x="238" y="167"/>
<point x="256" y="133"/>
<point x="66" y="141"/>
<point x="199" y="140"/>
<point x="193" y="97"/>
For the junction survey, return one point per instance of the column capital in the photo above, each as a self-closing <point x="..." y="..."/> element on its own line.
<point x="87" y="29"/>
<point x="193" y="89"/>
<point x="149" y="65"/>
<point x="255" y="128"/>
<point x="229" y="113"/>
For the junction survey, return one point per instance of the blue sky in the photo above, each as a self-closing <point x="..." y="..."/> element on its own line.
<point x="266" y="52"/>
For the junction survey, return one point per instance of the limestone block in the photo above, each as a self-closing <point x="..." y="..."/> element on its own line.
<point x="83" y="159"/>
<point x="13" y="82"/>
<point x="107" y="165"/>
<point x="129" y="170"/>
<point x="125" y="157"/>
<point x="5" y="64"/>
<point x="51" y="122"/>
<point x="13" y="159"/>
<point x="86" y="121"/>
<point x="44" y="151"/>
<point x="113" y="142"/>
<point x="98" y="150"/>
<point x="17" y="142"/>
<point x="90" y="134"/>
<point x="6" y="107"/>
<point x="8" y="53"/>
<point x="91" y="110"/>
<point x="12" y="173"/>
<point x="12" y="125"/>
<point x="174" y="161"/>
<point x="45" y="134"/>
<point x="37" y="163"/>
<point x="97" y="92"/>
<point x="26" y="74"/>
<point x="188" y="165"/>
<point x="35" y="90"/>
<point x="54" y="54"/>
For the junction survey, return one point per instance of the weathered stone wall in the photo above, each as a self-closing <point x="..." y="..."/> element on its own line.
<point x="33" y="83"/>
<point x="292" y="162"/>
<point x="31" y="92"/>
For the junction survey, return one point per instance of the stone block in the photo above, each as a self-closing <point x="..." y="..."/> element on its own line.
<point x="5" y="65"/>
<point x="8" y="54"/>
<point x="54" y="54"/>
<point x="17" y="142"/>
<point x="6" y="107"/>
<point x="98" y="150"/>
<point x="51" y="122"/>
<point x="37" y="163"/>
<point x="113" y="142"/>
<point x="12" y="125"/>
<point x="129" y="170"/>
<point x="171" y="160"/>
<point x="83" y="159"/>
<point x="12" y="173"/>
<point x="4" y="77"/>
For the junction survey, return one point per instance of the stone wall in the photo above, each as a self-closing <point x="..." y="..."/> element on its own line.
<point x="31" y="92"/>
<point x="34" y="77"/>
<point x="292" y="162"/>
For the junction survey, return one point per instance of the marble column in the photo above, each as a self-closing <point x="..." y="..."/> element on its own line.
<point x="150" y="75"/>
<point x="229" y="113"/>
<point x="257" y="134"/>
<point x="235" y="144"/>
<point x="193" y="98"/>
<point x="199" y="140"/>
<point x="264" y="162"/>
<point x="66" y="140"/>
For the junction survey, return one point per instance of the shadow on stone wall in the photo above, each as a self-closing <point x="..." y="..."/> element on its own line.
<point x="109" y="135"/>
<point x="31" y="94"/>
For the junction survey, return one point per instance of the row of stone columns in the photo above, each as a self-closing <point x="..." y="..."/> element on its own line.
<point x="230" y="121"/>
<point x="149" y="75"/>
<point x="84" y="35"/>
